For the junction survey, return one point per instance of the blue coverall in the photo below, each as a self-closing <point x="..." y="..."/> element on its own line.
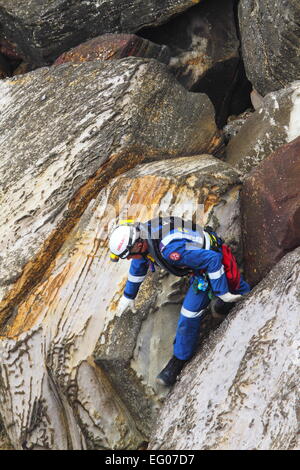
<point x="177" y="253"/>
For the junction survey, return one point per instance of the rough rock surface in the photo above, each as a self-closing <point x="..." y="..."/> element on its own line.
<point x="43" y="30"/>
<point x="241" y="391"/>
<point x="115" y="46"/>
<point x="205" y="54"/>
<point x="270" y="209"/>
<point x="74" y="128"/>
<point x="52" y="394"/>
<point x="270" y="37"/>
<point x="275" y="123"/>
<point x="234" y="125"/>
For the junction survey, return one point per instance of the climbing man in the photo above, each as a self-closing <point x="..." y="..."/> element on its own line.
<point x="182" y="248"/>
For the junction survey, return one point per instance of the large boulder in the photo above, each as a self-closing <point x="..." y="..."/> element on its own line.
<point x="273" y="124"/>
<point x="42" y="31"/>
<point x="205" y="55"/>
<point x="270" y="37"/>
<point x="241" y="391"/>
<point x="52" y="393"/>
<point x="270" y="211"/>
<point x="115" y="46"/>
<point x="75" y="126"/>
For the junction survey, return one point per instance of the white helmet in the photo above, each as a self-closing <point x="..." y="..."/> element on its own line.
<point x="122" y="240"/>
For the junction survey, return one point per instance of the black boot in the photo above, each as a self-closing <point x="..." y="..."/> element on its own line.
<point x="169" y="374"/>
<point x="220" y="308"/>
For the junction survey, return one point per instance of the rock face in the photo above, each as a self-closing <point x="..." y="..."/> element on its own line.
<point x="52" y="394"/>
<point x="115" y="46"/>
<point x="241" y="391"/>
<point x="270" y="37"/>
<point x="42" y="31"/>
<point x="271" y="211"/>
<point x="275" y="123"/>
<point x="205" y="54"/>
<point x="74" y="128"/>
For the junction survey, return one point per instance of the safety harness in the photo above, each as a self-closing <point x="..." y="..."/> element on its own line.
<point x="160" y="231"/>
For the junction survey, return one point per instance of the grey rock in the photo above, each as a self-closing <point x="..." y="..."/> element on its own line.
<point x="43" y="30"/>
<point x="256" y="99"/>
<point x="241" y="391"/>
<point x="275" y="123"/>
<point x="270" y="36"/>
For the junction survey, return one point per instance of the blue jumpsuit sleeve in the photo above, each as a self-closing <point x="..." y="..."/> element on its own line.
<point x="137" y="273"/>
<point x="199" y="259"/>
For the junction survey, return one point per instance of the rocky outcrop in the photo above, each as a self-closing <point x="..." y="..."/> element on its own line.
<point x="53" y="395"/>
<point x="275" y="123"/>
<point x="270" y="38"/>
<point x="74" y="128"/>
<point x="115" y="46"/>
<point x="241" y="390"/>
<point x="205" y="55"/>
<point x="42" y="32"/>
<point x="271" y="211"/>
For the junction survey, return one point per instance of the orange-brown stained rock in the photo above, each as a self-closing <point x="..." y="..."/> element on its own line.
<point x="36" y="268"/>
<point x="114" y="46"/>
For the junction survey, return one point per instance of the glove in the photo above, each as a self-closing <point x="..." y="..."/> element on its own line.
<point x="125" y="304"/>
<point x="228" y="297"/>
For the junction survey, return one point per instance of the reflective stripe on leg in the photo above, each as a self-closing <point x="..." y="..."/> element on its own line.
<point x="132" y="278"/>
<point x="189" y="314"/>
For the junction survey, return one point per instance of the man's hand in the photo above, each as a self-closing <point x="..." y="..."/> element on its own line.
<point x="228" y="297"/>
<point x="125" y="304"/>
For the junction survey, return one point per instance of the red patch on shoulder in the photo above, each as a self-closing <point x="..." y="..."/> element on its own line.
<point x="175" y="256"/>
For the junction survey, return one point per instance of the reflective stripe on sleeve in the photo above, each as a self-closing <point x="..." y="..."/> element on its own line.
<point x="136" y="279"/>
<point x="189" y="314"/>
<point x="216" y="274"/>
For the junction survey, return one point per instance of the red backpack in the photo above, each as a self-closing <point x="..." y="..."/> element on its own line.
<point x="232" y="271"/>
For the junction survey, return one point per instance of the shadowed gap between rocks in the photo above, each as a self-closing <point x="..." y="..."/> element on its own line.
<point x="225" y="81"/>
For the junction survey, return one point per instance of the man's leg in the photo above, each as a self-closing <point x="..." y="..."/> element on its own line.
<point x="187" y="334"/>
<point x="189" y="321"/>
<point x="220" y="308"/>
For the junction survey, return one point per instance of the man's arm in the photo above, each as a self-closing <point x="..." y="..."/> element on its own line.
<point x="137" y="273"/>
